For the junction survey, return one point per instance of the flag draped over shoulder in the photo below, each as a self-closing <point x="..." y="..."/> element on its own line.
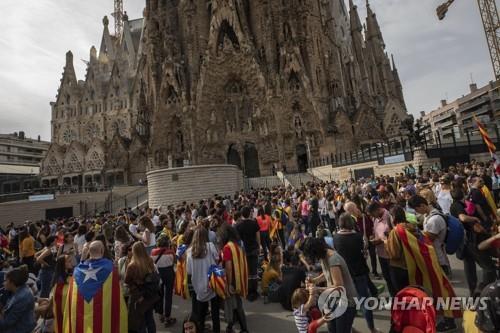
<point x="60" y="296"/>
<point x="423" y="267"/>
<point x="95" y="302"/>
<point x="240" y="269"/>
<point x="181" y="282"/>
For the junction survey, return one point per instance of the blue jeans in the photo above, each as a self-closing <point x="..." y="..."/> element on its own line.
<point x="343" y="324"/>
<point x="361" y="284"/>
<point x="45" y="277"/>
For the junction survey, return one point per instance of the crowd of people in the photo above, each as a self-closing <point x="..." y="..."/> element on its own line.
<point x="281" y="245"/>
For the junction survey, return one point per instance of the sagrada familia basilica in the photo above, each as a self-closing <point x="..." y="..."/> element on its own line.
<point x="255" y="83"/>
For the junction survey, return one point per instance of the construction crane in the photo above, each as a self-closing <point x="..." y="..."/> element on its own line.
<point x="491" y="24"/>
<point x="118" y="15"/>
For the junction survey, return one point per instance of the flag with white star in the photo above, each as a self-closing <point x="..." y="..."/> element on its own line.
<point x="95" y="301"/>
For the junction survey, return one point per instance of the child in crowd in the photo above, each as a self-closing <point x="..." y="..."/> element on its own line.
<point x="307" y="316"/>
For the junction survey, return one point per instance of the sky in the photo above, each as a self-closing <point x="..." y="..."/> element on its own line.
<point x="436" y="59"/>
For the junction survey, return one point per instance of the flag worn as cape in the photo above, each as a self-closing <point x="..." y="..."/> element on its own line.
<point x="60" y="296"/>
<point x="240" y="269"/>
<point x="181" y="281"/>
<point x="95" y="302"/>
<point x="217" y="280"/>
<point x="423" y="267"/>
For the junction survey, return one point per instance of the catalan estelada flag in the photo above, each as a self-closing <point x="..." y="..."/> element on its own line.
<point x="95" y="302"/>
<point x="217" y="280"/>
<point x="423" y="267"/>
<point x="181" y="281"/>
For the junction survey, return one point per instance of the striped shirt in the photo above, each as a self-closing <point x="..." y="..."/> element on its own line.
<point x="301" y="319"/>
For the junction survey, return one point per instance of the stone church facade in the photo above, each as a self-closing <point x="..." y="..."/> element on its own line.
<point x="95" y="140"/>
<point x="254" y="83"/>
<point x="261" y="83"/>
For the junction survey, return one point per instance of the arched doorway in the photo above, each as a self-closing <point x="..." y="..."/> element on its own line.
<point x="233" y="156"/>
<point x="251" y="157"/>
<point x="302" y="162"/>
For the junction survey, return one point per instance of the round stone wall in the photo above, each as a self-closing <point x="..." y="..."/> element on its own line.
<point x="191" y="184"/>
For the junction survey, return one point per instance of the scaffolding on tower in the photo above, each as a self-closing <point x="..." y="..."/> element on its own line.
<point x="118" y="15"/>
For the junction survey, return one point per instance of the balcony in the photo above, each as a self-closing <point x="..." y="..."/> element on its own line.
<point x="472" y="104"/>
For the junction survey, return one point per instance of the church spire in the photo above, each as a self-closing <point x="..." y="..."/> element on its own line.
<point x="354" y="17"/>
<point x="373" y="28"/>
<point x="397" y="82"/>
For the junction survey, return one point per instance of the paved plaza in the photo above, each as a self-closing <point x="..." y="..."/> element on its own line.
<point x="271" y="318"/>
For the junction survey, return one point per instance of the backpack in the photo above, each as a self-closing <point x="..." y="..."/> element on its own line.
<point x="413" y="319"/>
<point x="151" y="285"/>
<point x="455" y="233"/>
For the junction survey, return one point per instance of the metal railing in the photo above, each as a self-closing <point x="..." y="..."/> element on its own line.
<point x="405" y="146"/>
<point x="115" y="202"/>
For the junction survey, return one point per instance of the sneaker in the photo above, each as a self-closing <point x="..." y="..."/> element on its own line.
<point x="447" y="325"/>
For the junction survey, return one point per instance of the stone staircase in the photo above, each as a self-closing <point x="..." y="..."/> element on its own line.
<point x="298" y="179"/>
<point x="262" y="182"/>
<point x="81" y="203"/>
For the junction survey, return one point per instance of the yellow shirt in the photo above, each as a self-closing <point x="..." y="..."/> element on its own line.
<point x="268" y="276"/>
<point x="27" y="247"/>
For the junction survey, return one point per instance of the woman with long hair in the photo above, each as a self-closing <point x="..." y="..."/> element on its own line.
<point x="47" y="261"/>
<point x="350" y="244"/>
<point x="190" y="325"/>
<point x="200" y="257"/>
<point x="164" y="259"/>
<point x="148" y="233"/>
<point x="80" y="240"/>
<point x="63" y="271"/>
<point x="122" y="238"/>
<point x="142" y="319"/>
<point x="264" y="222"/>
<point x="68" y="247"/>
<point x="335" y="274"/>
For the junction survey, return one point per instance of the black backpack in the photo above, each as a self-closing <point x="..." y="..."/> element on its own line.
<point x="151" y="285"/>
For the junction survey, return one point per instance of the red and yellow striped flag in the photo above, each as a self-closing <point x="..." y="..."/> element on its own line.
<point x="60" y="296"/>
<point x="484" y="133"/>
<point x="423" y="267"/>
<point x="95" y="302"/>
<point x="240" y="269"/>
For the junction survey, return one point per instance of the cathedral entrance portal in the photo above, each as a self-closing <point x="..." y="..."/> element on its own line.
<point x="251" y="157"/>
<point x="302" y="162"/>
<point x="233" y="157"/>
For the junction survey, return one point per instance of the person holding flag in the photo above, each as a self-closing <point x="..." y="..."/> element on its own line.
<point x="95" y="301"/>
<point x="489" y="143"/>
